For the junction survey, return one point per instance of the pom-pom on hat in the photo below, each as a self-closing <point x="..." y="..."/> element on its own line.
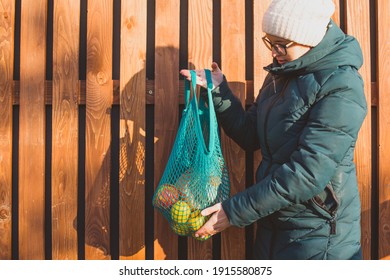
<point x="302" y="21"/>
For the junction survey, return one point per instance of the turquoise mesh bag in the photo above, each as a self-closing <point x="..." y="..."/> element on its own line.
<point x="196" y="175"/>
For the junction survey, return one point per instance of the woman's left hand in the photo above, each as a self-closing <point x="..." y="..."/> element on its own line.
<point x="217" y="222"/>
<point x="216" y="76"/>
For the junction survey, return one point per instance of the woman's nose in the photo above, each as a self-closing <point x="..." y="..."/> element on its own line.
<point x="274" y="53"/>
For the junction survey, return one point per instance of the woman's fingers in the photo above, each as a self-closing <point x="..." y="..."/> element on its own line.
<point x="216" y="76"/>
<point x="217" y="222"/>
<point x="215" y="67"/>
<point x="186" y="73"/>
<point x="207" y="229"/>
<point x="210" y="210"/>
<point x="200" y="76"/>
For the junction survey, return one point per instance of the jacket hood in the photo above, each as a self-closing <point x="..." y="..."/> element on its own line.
<point x="335" y="50"/>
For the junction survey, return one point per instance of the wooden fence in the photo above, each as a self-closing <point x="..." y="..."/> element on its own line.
<point x="90" y="101"/>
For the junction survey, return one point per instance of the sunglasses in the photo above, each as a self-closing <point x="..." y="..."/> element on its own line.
<point x="280" y="49"/>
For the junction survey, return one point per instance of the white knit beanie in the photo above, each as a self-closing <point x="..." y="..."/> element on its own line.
<point x="302" y="21"/>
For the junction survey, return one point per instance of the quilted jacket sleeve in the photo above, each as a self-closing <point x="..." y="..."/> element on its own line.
<point x="331" y="132"/>
<point x="234" y="119"/>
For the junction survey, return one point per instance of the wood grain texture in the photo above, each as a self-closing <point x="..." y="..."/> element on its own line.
<point x="99" y="92"/>
<point x="166" y="122"/>
<point x="7" y="18"/>
<point x="233" y="66"/>
<point x="149" y="92"/>
<point x="200" y="48"/>
<point x="66" y="28"/>
<point x="357" y="27"/>
<point x="98" y="128"/>
<point x="200" y="34"/>
<point x="132" y="130"/>
<point x="336" y="14"/>
<point x="262" y="57"/>
<point x="383" y="62"/>
<point x="32" y="130"/>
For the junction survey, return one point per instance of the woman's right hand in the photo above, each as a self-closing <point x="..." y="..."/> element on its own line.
<point x="216" y="76"/>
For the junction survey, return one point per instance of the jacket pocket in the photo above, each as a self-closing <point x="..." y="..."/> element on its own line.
<point x="326" y="204"/>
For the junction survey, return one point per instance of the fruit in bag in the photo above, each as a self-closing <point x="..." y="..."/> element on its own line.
<point x="195" y="221"/>
<point x="180" y="212"/>
<point x="180" y="229"/>
<point x="166" y="196"/>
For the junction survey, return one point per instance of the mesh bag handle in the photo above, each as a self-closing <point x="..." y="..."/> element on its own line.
<point x="208" y="149"/>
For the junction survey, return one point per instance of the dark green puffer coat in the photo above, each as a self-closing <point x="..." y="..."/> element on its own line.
<point x="306" y="121"/>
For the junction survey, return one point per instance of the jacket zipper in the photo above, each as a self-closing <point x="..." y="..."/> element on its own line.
<point x="266" y="142"/>
<point x="274" y="83"/>
<point x="332" y="223"/>
<point x="332" y="220"/>
<point x="266" y="120"/>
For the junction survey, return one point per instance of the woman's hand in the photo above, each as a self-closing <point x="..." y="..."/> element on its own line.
<point x="217" y="222"/>
<point x="216" y="76"/>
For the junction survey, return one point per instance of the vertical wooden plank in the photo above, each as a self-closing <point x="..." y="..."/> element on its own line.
<point x="166" y="110"/>
<point x="32" y="130"/>
<point x="336" y="15"/>
<point x="98" y="129"/>
<point x="7" y="17"/>
<point x="262" y="56"/>
<point x="200" y="32"/>
<point x="66" y="28"/>
<point x="132" y="129"/>
<point x="200" y="48"/>
<point x="233" y="66"/>
<point x="383" y="62"/>
<point x="357" y="26"/>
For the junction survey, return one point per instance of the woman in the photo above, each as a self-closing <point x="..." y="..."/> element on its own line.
<point x="306" y="121"/>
